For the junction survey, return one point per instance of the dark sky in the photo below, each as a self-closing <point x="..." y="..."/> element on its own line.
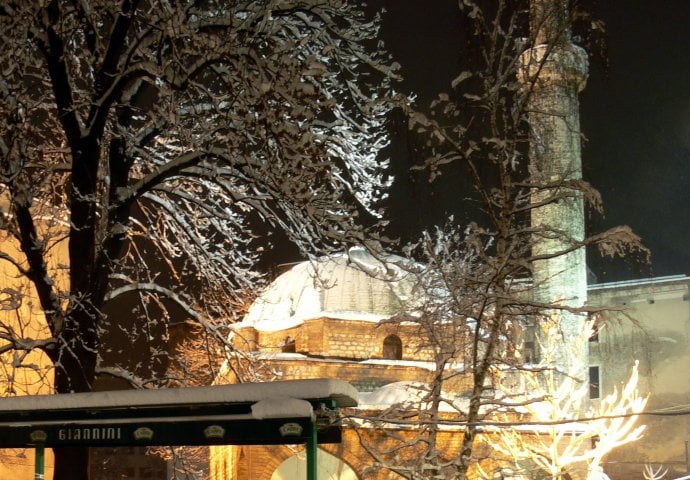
<point x="635" y="114"/>
<point x="637" y="121"/>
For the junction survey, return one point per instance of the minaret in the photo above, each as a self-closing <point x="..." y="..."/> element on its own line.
<point x="553" y="71"/>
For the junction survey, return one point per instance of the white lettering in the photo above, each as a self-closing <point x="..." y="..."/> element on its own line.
<point x="93" y="433"/>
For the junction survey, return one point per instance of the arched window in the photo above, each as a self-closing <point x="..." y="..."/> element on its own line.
<point x="328" y="467"/>
<point x="288" y="345"/>
<point x="392" y="347"/>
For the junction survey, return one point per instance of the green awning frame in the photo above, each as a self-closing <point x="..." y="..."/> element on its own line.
<point x="299" y="411"/>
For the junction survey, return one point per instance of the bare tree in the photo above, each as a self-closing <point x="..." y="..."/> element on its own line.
<point x="511" y="126"/>
<point x="575" y="435"/>
<point x="650" y="473"/>
<point x="157" y="142"/>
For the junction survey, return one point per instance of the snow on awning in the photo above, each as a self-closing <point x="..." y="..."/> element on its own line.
<point x="239" y="414"/>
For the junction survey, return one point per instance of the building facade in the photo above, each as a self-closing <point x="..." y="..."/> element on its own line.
<point x="31" y="374"/>
<point x="340" y="318"/>
<point x="649" y="323"/>
<point x="336" y="320"/>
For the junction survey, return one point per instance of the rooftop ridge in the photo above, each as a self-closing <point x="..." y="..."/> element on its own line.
<point x="639" y="281"/>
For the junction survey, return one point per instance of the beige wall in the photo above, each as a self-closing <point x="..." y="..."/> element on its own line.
<point x="21" y="314"/>
<point x="654" y="329"/>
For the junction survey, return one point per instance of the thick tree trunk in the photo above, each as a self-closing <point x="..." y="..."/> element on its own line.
<point x="75" y="366"/>
<point x="71" y="463"/>
<point x="73" y="375"/>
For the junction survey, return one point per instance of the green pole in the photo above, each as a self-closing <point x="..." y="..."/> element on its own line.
<point x="39" y="462"/>
<point x="311" y="453"/>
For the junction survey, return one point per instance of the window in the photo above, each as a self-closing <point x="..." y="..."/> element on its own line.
<point x="392" y="347"/>
<point x="327" y="466"/>
<point x="594" y="382"/>
<point x="288" y="345"/>
<point x="530" y="345"/>
<point x="529" y="352"/>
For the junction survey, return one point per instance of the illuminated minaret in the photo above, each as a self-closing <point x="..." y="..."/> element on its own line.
<point x="554" y="70"/>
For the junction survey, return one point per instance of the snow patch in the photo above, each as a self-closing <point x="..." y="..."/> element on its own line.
<point x="344" y="394"/>
<point x="282" y="407"/>
<point x="394" y="393"/>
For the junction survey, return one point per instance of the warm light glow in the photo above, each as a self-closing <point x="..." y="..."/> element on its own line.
<point x="560" y="445"/>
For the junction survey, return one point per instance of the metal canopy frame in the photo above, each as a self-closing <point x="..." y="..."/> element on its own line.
<point x="215" y="415"/>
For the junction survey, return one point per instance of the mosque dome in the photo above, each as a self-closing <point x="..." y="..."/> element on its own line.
<point x="355" y="285"/>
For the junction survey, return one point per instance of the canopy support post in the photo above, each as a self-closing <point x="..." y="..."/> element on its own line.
<point x="311" y="452"/>
<point x="39" y="462"/>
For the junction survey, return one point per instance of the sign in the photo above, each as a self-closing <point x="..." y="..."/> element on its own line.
<point x="192" y="432"/>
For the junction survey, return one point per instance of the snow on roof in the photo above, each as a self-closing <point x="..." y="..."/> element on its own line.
<point x="342" y="392"/>
<point x="287" y="356"/>
<point x="431" y="366"/>
<point x="282" y="407"/>
<point x="394" y="393"/>
<point x="352" y="286"/>
<point x="639" y="282"/>
<point x="409" y="393"/>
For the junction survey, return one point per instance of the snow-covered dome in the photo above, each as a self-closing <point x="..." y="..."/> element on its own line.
<point x="355" y="285"/>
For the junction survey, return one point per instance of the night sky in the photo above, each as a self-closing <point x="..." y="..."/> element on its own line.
<point x="635" y="115"/>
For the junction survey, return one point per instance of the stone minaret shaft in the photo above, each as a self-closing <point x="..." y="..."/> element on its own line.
<point x="553" y="71"/>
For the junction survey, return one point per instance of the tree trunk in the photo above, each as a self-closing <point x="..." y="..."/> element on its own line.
<point x="75" y="366"/>
<point x="71" y="463"/>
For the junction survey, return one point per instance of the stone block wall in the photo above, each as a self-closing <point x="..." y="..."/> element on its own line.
<point x="337" y="338"/>
<point x="258" y="462"/>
